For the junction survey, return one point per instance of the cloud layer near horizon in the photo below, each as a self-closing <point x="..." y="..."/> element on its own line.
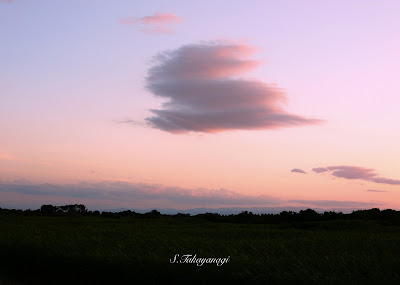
<point x="157" y="23"/>
<point x="356" y="172"/>
<point x="205" y="91"/>
<point x="148" y="195"/>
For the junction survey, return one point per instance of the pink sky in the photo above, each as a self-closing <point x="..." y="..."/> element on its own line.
<point x="151" y="106"/>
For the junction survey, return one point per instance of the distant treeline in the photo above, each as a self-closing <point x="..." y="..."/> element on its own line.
<point x="392" y="216"/>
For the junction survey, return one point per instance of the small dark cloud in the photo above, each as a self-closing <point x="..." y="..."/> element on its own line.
<point x="356" y="172"/>
<point x="205" y="93"/>
<point x="371" y="190"/>
<point x="298" y="170"/>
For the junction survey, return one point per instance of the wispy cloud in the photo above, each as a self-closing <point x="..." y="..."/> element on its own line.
<point x="158" y="23"/>
<point x="7" y="157"/>
<point x="298" y="170"/>
<point x="371" y="190"/>
<point x="130" y="121"/>
<point x="337" y="203"/>
<point x="160" y="18"/>
<point x="356" y="172"/>
<point x="205" y="91"/>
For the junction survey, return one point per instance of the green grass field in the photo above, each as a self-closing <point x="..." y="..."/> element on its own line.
<point x="90" y="250"/>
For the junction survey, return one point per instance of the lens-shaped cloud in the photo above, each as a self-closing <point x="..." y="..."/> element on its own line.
<point x="298" y="170"/>
<point x="356" y="172"/>
<point x="206" y="93"/>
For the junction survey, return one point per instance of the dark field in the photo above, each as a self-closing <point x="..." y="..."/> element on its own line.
<point x="93" y="250"/>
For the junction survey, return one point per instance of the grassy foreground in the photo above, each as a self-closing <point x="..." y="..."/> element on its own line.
<point x="90" y="250"/>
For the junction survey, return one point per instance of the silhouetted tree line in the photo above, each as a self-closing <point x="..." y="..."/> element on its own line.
<point x="390" y="215"/>
<point x="50" y="210"/>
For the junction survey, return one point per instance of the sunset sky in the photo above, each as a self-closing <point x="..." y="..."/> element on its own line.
<point x="189" y="104"/>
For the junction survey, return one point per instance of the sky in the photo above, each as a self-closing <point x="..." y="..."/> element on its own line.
<point x="188" y="104"/>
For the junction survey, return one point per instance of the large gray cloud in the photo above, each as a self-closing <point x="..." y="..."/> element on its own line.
<point x="356" y="172"/>
<point x="205" y="92"/>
